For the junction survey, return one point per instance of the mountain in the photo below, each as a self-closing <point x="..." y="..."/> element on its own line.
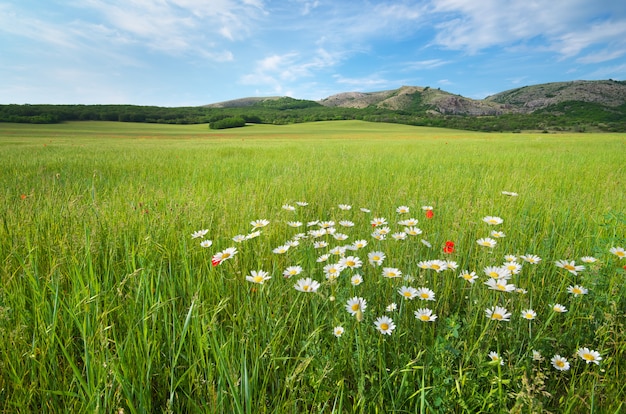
<point x="607" y="94"/>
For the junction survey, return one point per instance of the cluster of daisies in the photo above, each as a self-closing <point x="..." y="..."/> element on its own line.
<point x="330" y="238"/>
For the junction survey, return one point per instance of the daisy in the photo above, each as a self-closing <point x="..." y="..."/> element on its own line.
<point x="380" y="237"/>
<point x="577" y="290"/>
<point x="469" y="276"/>
<point x="391" y="307"/>
<point x="408" y="222"/>
<point x="385" y="325"/>
<point x="253" y="235"/>
<point x="338" y="331"/>
<point x="320" y="244"/>
<point x="206" y="243"/>
<point x="218" y="258"/>
<point x="391" y="272"/>
<point x="351" y="262"/>
<point x="531" y="258"/>
<point x="281" y="249"/>
<point x="425" y="294"/>
<point x="509" y="193"/>
<point x="557" y="307"/>
<point x="510" y="258"/>
<point x="492" y="220"/>
<point x="618" y="251"/>
<point x="359" y="244"/>
<point x="302" y="203"/>
<point x="312" y="223"/>
<point x="438" y="265"/>
<point x="512" y="267"/>
<point x="292" y="271"/>
<point x="529" y="314"/>
<point x="427" y="208"/>
<point x="326" y="224"/>
<point x="425" y="315"/>
<point x="345" y="207"/>
<point x="399" y="236"/>
<point x="294" y="223"/>
<point x="239" y="238"/>
<point x="292" y="243"/>
<point x="383" y="230"/>
<point x="333" y="270"/>
<point x="376" y="258"/>
<point x="497" y="234"/>
<point x="559" y="363"/>
<point x="317" y="233"/>
<point x="495" y="358"/>
<point x="378" y="221"/>
<point x="307" y="285"/>
<point x="288" y="207"/>
<point x="338" y="250"/>
<point x="589" y="355"/>
<point x="199" y="234"/>
<point x="487" y="242"/>
<point x="340" y="236"/>
<point x="588" y="259"/>
<point x="498" y="313"/>
<point x="407" y="292"/>
<point x="356" y="280"/>
<point x="426" y="243"/>
<point x="356" y="305"/>
<point x="569" y="266"/>
<point x="365" y="210"/>
<point x="346" y="223"/>
<point x="500" y="285"/>
<point x="497" y="272"/>
<point x="402" y="210"/>
<point x="412" y="231"/>
<point x="323" y="258"/>
<point x="259" y="223"/>
<point x="537" y="355"/>
<point x="451" y="265"/>
<point x="258" y="277"/>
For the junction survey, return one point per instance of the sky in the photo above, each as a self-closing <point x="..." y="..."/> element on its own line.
<point x="196" y="52"/>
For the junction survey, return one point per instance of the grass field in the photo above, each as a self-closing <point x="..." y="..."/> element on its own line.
<point x="109" y="304"/>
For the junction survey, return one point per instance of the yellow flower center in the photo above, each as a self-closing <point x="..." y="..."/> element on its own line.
<point x="407" y="294"/>
<point x="501" y="286"/>
<point x="355" y="307"/>
<point x="384" y="326"/>
<point x="529" y="315"/>
<point x="436" y="266"/>
<point x="577" y="291"/>
<point x="425" y="317"/>
<point x="496" y="316"/>
<point x="589" y="357"/>
<point x="225" y="255"/>
<point x="620" y="253"/>
<point x="258" y="279"/>
<point x="569" y="267"/>
<point x="424" y="295"/>
<point x="559" y="363"/>
<point x="350" y="263"/>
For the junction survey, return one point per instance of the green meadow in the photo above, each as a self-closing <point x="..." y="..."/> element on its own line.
<point x="111" y="302"/>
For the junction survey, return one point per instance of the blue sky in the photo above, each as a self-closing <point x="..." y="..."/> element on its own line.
<point x="195" y="52"/>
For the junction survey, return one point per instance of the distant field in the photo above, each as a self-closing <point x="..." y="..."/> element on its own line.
<point x="109" y="303"/>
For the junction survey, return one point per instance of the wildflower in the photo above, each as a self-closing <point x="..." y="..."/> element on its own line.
<point x="429" y="214"/>
<point x="239" y="238"/>
<point x="559" y="363"/>
<point x="510" y="258"/>
<point x="220" y="257"/>
<point x="426" y="243"/>
<point x="359" y="244"/>
<point x="577" y="290"/>
<point x="497" y="272"/>
<point x="531" y="258"/>
<point x="294" y="223"/>
<point x="292" y="271"/>
<point x="588" y="259"/>
<point x="338" y="331"/>
<point x="351" y="262"/>
<point x="402" y="210"/>
<point x="288" y="207"/>
<point x="383" y="230"/>
<point x="253" y="235"/>
<point x="425" y="294"/>
<point x="366" y="210"/>
<point x="451" y="265"/>
<point x="379" y="236"/>
<point x="332" y="271"/>
<point x="500" y="285"/>
<point x="412" y="231"/>
<point x="346" y="223"/>
<point x="356" y="305"/>
<point x="427" y="208"/>
<point x="199" y="234"/>
<point x="345" y="207"/>
<point x="356" y="280"/>
<point x="376" y="258"/>
<point x="589" y="355"/>
<point x="510" y="193"/>
<point x="570" y="266"/>
<point x="495" y="358"/>
<point x="557" y="307"/>
<point x="391" y="307"/>
<point x="281" y="249"/>
<point x="206" y="243"/>
<point x="492" y="220"/>
<point x="307" y="285"/>
<point x="302" y="203"/>
<point x="407" y="292"/>
<point x="469" y="276"/>
<point x="378" y="221"/>
<point x="399" y="236"/>
<point x="437" y="265"/>
<point x="425" y="315"/>
<point x="529" y="314"/>
<point x="449" y="247"/>
<point x="520" y="290"/>
<point x="312" y="223"/>
<point x="498" y="313"/>
<point x="408" y="222"/>
<point x="497" y="234"/>
<point x="487" y="242"/>
<point x="618" y="251"/>
<point x="340" y="236"/>
<point x="326" y="224"/>
<point x="385" y="325"/>
<point x="512" y="267"/>
<point x="322" y="258"/>
<point x="258" y="277"/>
<point x="537" y="356"/>
<point x="391" y="272"/>
<point x="259" y="223"/>
<point x="338" y="250"/>
<point x="320" y="244"/>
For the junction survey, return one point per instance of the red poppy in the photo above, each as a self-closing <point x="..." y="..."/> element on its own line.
<point x="23" y="196"/>
<point x="215" y="262"/>
<point x="449" y="247"/>
<point x="429" y="214"/>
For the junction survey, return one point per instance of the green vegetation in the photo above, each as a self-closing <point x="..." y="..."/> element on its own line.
<point x="108" y="303"/>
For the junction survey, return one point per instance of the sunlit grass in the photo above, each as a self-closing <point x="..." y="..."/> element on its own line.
<point x="109" y="303"/>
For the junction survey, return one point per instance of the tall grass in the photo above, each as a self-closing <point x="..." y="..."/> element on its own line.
<point x="108" y="304"/>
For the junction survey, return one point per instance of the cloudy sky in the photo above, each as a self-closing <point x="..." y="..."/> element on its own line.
<point x="194" y="52"/>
